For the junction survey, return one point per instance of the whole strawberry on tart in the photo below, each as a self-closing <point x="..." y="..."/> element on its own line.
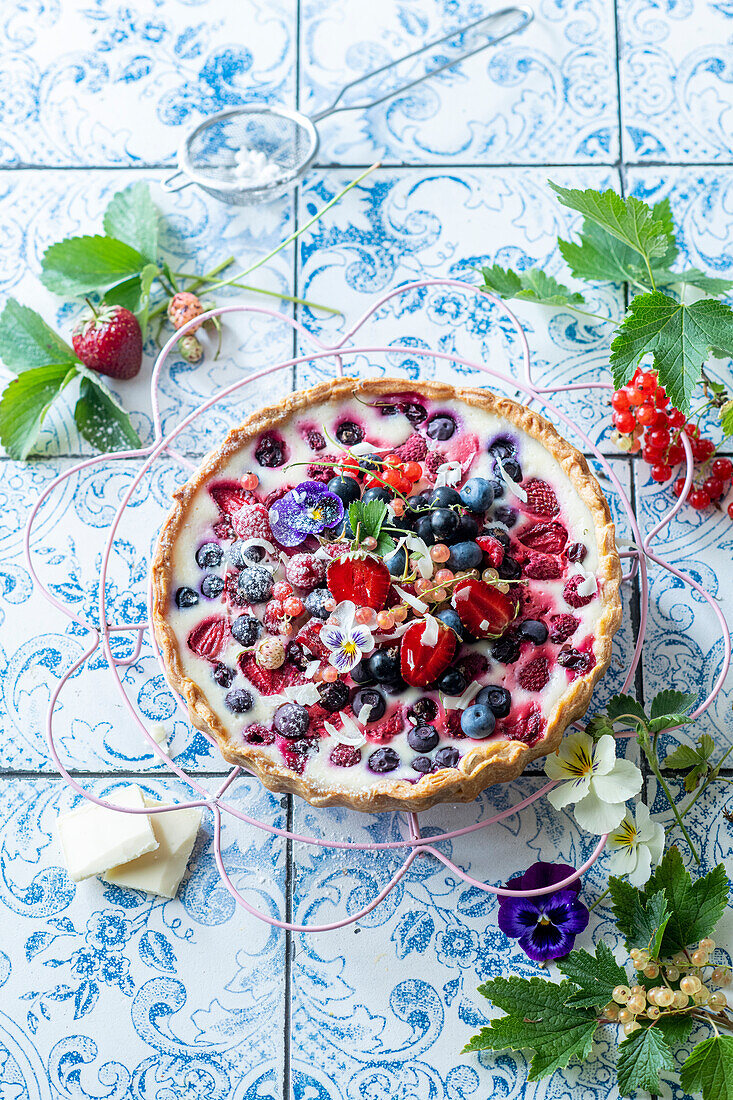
<point x="385" y="596"/>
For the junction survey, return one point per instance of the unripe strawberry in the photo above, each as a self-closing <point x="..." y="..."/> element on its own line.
<point x="191" y="348"/>
<point x="182" y="308"/>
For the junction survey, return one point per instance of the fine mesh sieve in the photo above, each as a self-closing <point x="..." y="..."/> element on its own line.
<point x="284" y="142"/>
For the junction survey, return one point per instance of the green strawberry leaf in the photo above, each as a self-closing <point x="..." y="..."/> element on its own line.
<point x="679" y="336"/>
<point x="25" y="402"/>
<point x="641" y="1059"/>
<point x="670" y="704"/>
<point x="596" y="976"/>
<point x="696" y="907"/>
<point x="133" y="218"/>
<point x="620" y="706"/>
<point x="538" y="1019"/>
<point x="134" y="294"/>
<point x="101" y="419"/>
<point x="628" y="220"/>
<point x="26" y="341"/>
<point x="532" y="285"/>
<point x="709" y="1069"/>
<point x="77" y="265"/>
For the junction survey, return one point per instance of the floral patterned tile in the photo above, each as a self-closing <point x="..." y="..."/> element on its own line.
<point x="544" y="96"/>
<point x="405" y="225"/>
<point x="108" y="84"/>
<point x="102" y="986"/>
<point x="39" y="208"/>
<point x="675" y="60"/>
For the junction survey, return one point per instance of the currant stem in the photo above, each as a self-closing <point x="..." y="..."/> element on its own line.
<point x="650" y="753"/>
<point x="599" y="899"/>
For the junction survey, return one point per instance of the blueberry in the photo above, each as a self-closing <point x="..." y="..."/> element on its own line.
<point x="441" y="427"/>
<point x="209" y="555"/>
<point x="291" y="720"/>
<point x="421" y="764"/>
<point x="424" y="530"/>
<point x="424" y="709"/>
<point x="444" y="497"/>
<point x="370" y="463"/>
<point x="384" y="665"/>
<point x="223" y="676"/>
<point x="452" y="682"/>
<point x="270" y="451"/>
<point x="239" y="700"/>
<point x="186" y="597"/>
<point x="361" y="674"/>
<point x="576" y="551"/>
<point x="509" y="570"/>
<point x="387" y="409"/>
<point x="422" y="738"/>
<point x="499" y="534"/>
<point x="447" y="757"/>
<point x="497" y="699"/>
<point x="343" y="529"/>
<point x="394" y="687"/>
<point x="384" y="760"/>
<point x="418" y="502"/>
<point x="349" y="433"/>
<point x="467" y="528"/>
<point x="315" y="603"/>
<point x="465" y="555"/>
<point x="256" y="583"/>
<point x="478" y="494"/>
<point x="396" y="562"/>
<point x="240" y="555"/>
<point x="334" y="696"/>
<point x="212" y="586"/>
<point x="534" y="631"/>
<point x="451" y="619"/>
<point x="499" y="489"/>
<point x="369" y="697"/>
<point x="246" y="629"/>
<point x="502" y="447"/>
<point x="414" y="412"/>
<point x="378" y="492"/>
<point x="506" y="515"/>
<point x="505" y="650"/>
<point x="298" y="656"/>
<point x="346" y="488"/>
<point x="512" y="469"/>
<point x="478" y="721"/>
<point x="444" y="523"/>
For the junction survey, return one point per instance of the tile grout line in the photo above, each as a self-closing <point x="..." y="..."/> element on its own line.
<point x="395" y="165"/>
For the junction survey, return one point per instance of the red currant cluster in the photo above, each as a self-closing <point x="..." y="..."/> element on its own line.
<point x="645" y="422"/>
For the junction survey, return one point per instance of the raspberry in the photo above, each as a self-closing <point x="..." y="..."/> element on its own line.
<point x="295" y="753"/>
<point x="541" y="499"/>
<point x="317" y="472"/>
<point x="546" y="537"/>
<point x="235" y="598"/>
<point x="344" y="756"/>
<point x="223" y="528"/>
<point x="319" y="715"/>
<point x="258" y="735"/>
<point x="383" y="732"/>
<point x="528" y="727"/>
<point x="305" y="571"/>
<point x="492" y="548"/>
<point x="570" y="593"/>
<point x="251" y="522"/>
<point x="433" y="461"/>
<point x="473" y="666"/>
<point x="335" y="549"/>
<point x="535" y="675"/>
<point x="413" y="449"/>
<point x="542" y="567"/>
<point x="315" y="441"/>
<point x="562" y="627"/>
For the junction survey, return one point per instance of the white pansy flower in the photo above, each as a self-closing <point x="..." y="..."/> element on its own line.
<point x="636" y="845"/>
<point x="598" y="782"/>
<point x="346" y="638"/>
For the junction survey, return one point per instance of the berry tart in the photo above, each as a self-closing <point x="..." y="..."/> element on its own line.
<point x="386" y="598"/>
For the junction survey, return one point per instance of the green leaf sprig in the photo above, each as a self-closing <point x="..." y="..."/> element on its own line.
<point x="558" y="1021"/>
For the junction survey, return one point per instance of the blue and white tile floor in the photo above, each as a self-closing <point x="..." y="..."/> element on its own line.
<point x="110" y="993"/>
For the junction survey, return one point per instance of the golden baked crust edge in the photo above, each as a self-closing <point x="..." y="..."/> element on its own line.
<point x="486" y="763"/>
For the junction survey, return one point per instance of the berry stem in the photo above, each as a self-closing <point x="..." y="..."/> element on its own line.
<point x="650" y="753"/>
<point x="599" y="899"/>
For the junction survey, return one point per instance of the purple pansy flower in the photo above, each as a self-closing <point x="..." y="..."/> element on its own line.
<point x="307" y="509"/>
<point x="545" y="925"/>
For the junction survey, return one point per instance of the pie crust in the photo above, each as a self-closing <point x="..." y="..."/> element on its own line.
<point x="486" y="762"/>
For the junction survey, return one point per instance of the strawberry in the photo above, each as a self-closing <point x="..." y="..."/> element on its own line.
<point x="483" y="610"/>
<point x="308" y="637"/>
<point x="229" y="497"/>
<point x="541" y="499"/>
<point x="546" y="537"/>
<point x="422" y="662"/>
<point x="108" y="340"/>
<point x="365" y="580"/>
<point x="256" y="734"/>
<point x="207" y="639"/>
<point x="268" y="681"/>
<point x="381" y="733"/>
<point x="492" y="548"/>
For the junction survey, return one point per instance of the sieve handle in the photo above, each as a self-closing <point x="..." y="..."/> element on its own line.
<point x="170" y="186"/>
<point x="518" y="17"/>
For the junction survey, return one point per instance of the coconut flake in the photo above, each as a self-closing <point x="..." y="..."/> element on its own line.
<point x="449" y="473"/>
<point x="304" y="694"/>
<point x="430" y="631"/>
<point x="160" y="735"/>
<point x="460" y="702"/>
<point x="398" y="631"/>
<point x="350" y="734"/>
<point x="270" y="549"/>
<point x="364" y="448"/>
<point x="413" y="601"/>
<point x="588" y="586"/>
<point x="363" y="715"/>
<point x="423" y="561"/>
<point x="311" y="668"/>
<point x="513" y="486"/>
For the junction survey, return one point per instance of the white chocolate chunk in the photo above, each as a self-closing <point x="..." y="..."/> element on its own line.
<point x="160" y="872"/>
<point x="93" y="838"/>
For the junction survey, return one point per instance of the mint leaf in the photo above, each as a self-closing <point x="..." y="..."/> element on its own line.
<point x="620" y="706"/>
<point x="597" y="977"/>
<point x="669" y="703"/>
<point x="101" y="419"/>
<point x="726" y="417"/>
<point x="532" y="285"/>
<point x="696" y="907"/>
<point x="132" y="217"/>
<point x="709" y="1069"/>
<point x="538" y="1019"/>
<point x="26" y="401"/>
<point x="679" y="337"/>
<point x="641" y="1059"/>
<point x="77" y="265"/>
<point x="628" y="220"/>
<point x="26" y="340"/>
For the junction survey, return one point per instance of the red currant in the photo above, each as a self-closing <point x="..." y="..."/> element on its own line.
<point x="699" y="499"/>
<point x="661" y="420"/>
<point x="678" y="486"/>
<point x="636" y="396"/>
<point x="661" y="472"/>
<point x="645" y="414"/>
<point x="651" y="455"/>
<point x="661" y="398"/>
<point x="723" y="468"/>
<point x="676" y="418"/>
<point x="413" y="470"/>
<point x="624" y="421"/>
<point x="705" y="448"/>
<point x="659" y="438"/>
<point x="714" y="487"/>
<point x="730" y="510"/>
<point x="675" y="454"/>
<point x="620" y="401"/>
<point x="691" y="430"/>
<point x="647" y="384"/>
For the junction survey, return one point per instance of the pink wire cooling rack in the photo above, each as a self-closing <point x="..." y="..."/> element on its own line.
<point x="332" y="357"/>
